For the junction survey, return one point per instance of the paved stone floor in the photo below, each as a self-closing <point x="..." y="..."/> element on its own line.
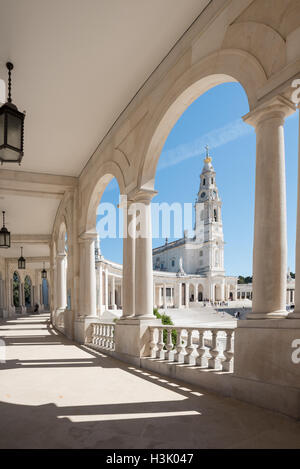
<point x="55" y="394"/>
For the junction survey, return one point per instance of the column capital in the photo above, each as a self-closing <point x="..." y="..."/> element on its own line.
<point x="88" y="236"/>
<point x="143" y="196"/>
<point x="61" y="255"/>
<point x="278" y="107"/>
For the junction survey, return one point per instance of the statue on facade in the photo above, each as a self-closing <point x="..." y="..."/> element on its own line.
<point x="180" y="271"/>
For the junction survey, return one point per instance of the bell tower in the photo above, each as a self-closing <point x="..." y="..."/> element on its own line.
<point x="208" y="221"/>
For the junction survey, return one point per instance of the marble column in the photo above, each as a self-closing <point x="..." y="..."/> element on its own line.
<point x="165" y="296"/>
<point x="296" y="313"/>
<point x="180" y="295"/>
<point x="270" y="238"/>
<point x="187" y="295"/>
<point x="143" y="256"/>
<point x="195" y="293"/>
<point x="61" y="282"/>
<point x="113" y="292"/>
<point x="100" y="287"/>
<point x="128" y="283"/>
<point x="88" y="241"/>
<point x="159" y="297"/>
<point x="106" y="289"/>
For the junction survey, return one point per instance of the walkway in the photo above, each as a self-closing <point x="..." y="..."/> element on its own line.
<point x="55" y="394"/>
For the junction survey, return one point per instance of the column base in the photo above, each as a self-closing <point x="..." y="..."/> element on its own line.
<point x="294" y="315"/>
<point x="274" y="315"/>
<point x="265" y="351"/>
<point x="132" y="338"/>
<point x="83" y="329"/>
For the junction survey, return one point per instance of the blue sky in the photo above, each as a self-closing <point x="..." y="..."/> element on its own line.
<point x="215" y="118"/>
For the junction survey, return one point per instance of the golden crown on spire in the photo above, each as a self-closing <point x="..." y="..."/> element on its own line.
<point x="208" y="158"/>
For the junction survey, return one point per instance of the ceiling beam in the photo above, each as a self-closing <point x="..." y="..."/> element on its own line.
<point x="35" y="184"/>
<point x="30" y="239"/>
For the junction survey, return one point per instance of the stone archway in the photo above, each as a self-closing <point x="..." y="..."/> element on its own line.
<point x="200" y="292"/>
<point x="228" y="65"/>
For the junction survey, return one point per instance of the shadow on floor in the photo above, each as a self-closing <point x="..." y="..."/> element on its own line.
<point x="187" y="418"/>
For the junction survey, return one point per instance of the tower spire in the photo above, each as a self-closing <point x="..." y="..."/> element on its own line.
<point x="208" y="157"/>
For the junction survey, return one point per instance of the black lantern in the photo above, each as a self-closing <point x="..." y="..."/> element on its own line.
<point x="11" y="128"/>
<point x="4" y="235"/>
<point x="44" y="272"/>
<point x="21" y="261"/>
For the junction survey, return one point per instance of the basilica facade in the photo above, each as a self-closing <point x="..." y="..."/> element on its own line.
<point x="198" y="261"/>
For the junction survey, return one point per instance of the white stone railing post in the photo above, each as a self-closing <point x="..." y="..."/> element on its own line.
<point x="170" y="346"/>
<point x="180" y="346"/>
<point x="160" y="345"/>
<point x="227" y="364"/>
<point x="213" y="361"/>
<point x="201" y="359"/>
<point x="153" y="343"/>
<point x="189" y="358"/>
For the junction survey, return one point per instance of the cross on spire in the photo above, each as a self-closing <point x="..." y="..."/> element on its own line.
<point x="208" y="158"/>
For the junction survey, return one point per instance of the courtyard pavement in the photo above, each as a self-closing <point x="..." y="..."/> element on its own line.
<point x="56" y="394"/>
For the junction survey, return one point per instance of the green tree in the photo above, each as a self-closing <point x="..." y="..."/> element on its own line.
<point x="166" y="321"/>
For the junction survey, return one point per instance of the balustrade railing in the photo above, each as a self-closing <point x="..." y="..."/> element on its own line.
<point x="103" y="336"/>
<point x="205" y="347"/>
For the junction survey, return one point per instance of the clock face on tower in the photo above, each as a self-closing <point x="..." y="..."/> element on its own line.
<point x="202" y="195"/>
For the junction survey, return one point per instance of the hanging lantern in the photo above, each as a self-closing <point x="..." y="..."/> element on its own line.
<point x="44" y="272"/>
<point x="11" y="128"/>
<point x="4" y="235"/>
<point x="21" y="261"/>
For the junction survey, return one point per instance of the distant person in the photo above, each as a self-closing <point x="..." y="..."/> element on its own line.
<point x="36" y="309"/>
<point x="238" y="315"/>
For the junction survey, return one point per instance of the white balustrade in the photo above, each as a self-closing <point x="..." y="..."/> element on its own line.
<point x="103" y="336"/>
<point x="209" y="347"/>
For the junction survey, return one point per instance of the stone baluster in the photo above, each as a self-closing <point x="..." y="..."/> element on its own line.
<point x="189" y="357"/>
<point x="227" y="364"/>
<point x="112" y="337"/>
<point x="180" y="347"/>
<point x="153" y="343"/>
<point x="201" y="359"/>
<point x="100" y="340"/>
<point x="213" y="361"/>
<point x="160" y="352"/>
<point x="94" y="334"/>
<point x="169" y="346"/>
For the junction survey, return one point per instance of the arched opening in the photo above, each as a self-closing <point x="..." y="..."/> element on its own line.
<point x="200" y="293"/>
<point x="28" y="291"/>
<point x="105" y="219"/>
<point x="192" y="293"/>
<point x="16" y="290"/>
<point x="177" y="182"/>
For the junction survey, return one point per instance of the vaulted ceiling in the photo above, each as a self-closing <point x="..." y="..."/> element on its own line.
<point x="78" y="63"/>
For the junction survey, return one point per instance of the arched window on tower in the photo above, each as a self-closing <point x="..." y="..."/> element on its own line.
<point x="204" y="182"/>
<point x="215" y="215"/>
